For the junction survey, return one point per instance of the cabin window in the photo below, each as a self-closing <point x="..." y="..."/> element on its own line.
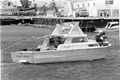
<point x="79" y="39"/>
<point x="58" y="40"/>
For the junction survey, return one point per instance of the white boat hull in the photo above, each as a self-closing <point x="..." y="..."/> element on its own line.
<point x="70" y="44"/>
<point x="59" y="56"/>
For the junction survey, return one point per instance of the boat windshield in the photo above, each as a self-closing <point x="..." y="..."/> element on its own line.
<point x="56" y="39"/>
<point x="108" y="25"/>
<point x="53" y="42"/>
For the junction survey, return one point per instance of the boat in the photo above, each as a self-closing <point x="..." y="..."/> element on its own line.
<point x="111" y="26"/>
<point x="67" y="42"/>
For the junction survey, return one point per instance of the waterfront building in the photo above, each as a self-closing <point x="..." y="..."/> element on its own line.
<point x="98" y="8"/>
<point x="8" y="7"/>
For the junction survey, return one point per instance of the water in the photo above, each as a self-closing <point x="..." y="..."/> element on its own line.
<point x="105" y="69"/>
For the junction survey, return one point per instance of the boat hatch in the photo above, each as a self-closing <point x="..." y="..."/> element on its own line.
<point x="30" y="49"/>
<point x="92" y="45"/>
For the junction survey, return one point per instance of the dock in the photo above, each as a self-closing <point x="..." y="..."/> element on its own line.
<point x="63" y="18"/>
<point x="84" y="22"/>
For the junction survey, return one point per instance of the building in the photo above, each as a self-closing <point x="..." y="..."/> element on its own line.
<point x="8" y="7"/>
<point x="97" y="8"/>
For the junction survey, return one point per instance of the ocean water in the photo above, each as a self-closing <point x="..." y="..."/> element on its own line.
<point x="104" y="69"/>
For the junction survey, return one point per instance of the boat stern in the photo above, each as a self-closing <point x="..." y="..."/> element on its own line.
<point x="22" y="57"/>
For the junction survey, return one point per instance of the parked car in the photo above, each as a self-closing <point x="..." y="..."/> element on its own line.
<point x="82" y="13"/>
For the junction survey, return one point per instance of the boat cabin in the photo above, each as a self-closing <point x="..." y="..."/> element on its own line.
<point x="112" y="24"/>
<point x="67" y="36"/>
<point x="66" y="43"/>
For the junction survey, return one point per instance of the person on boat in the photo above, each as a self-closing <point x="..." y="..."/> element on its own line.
<point x="100" y="37"/>
<point x="105" y="39"/>
<point x="56" y="42"/>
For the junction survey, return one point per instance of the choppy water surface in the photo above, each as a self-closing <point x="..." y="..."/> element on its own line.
<point x="105" y="69"/>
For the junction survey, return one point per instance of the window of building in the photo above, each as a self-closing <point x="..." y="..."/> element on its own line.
<point x="94" y="4"/>
<point x="79" y="40"/>
<point x="88" y="4"/>
<point x="108" y="2"/>
<point x="111" y="2"/>
<point x="104" y="13"/>
<point x="83" y="4"/>
<point x="115" y="12"/>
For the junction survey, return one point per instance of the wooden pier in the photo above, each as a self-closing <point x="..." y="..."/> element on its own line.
<point x="84" y="22"/>
<point x="59" y="18"/>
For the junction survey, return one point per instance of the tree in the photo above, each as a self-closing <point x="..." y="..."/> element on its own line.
<point x="35" y="6"/>
<point x="25" y="3"/>
<point x="53" y="6"/>
<point x="29" y="3"/>
<point x="44" y="9"/>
